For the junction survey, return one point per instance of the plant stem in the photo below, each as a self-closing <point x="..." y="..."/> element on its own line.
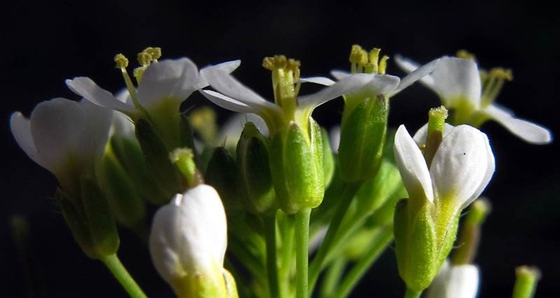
<point x="271" y="254"/>
<point x="121" y="274"/>
<point x="302" y="256"/>
<point x="379" y="244"/>
<point x="332" y="278"/>
<point x="412" y="294"/>
<point x="318" y="261"/>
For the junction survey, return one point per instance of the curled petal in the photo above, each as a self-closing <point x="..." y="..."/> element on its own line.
<point x="344" y="86"/>
<point x="528" y="131"/>
<point x="409" y="66"/>
<point x="21" y="130"/>
<point x="227" y="67"/>
<point x="318" y="80"/>
<point x="86" y="88"/>
<point x="415" y="75"/>
<point x="227" y="102"/>
<point x="339" y="74"/>
<point x="462" y="166"/>
<point x="412" y="166"/>
<point x="168" y="79"/>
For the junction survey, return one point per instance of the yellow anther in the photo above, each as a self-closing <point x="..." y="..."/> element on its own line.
<point x="464" y="54"/>
<point x="358" y="55"/>
<point x="144" y="58"/>
<point x="202" y="117"/>
<point x="383" y="65"/>
<point x="275" y="63"/>
<point x="500" y="73"/>
<point x="374" y="55"/>
<point x="155" y="52"/>
<point x="121" y="61"/>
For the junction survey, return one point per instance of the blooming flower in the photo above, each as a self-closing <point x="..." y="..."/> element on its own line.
<point x="458" y="83"/>
<point x="455" y="281"/>
<point x="64" y="137"/>
<point x="188" y="242"/>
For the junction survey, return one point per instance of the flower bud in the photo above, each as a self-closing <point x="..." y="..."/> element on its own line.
<point x="221" y="173"/>
<point x="255" y="179"/>
<point x="362" y="139"/>
<point x="296" y="162"/>
<point x="188" y="243"/>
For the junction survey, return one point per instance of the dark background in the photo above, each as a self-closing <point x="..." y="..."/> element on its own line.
<point x="45" y="42"/>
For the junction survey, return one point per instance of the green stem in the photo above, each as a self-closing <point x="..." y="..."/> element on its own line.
<point x="302" y="255"/>
<point x="379" y="244"/>
<point x="412" y="294"/>
<point x="318" y="261"/>
<point x="121" y="274"/>
<point x="286" y="224"/>
<point x="271" y="254"/>
<point x="332" y="278"/>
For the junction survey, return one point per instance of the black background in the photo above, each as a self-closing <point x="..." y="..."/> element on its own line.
<point x="45" y="42"/>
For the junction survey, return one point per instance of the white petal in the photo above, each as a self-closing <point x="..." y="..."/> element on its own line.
<point x="227" y="102"/>
<point x="168" y="79"/>
<point x="98" y="123"/>
<point x="412" y="165"/>
<point x="422" y="134"/>
<point x="229" y="86"/>
<point x="122" y="124"/>
<point x="20" y="127"/>
<point x="339" y="74"/>
<point x="334" y="138"/>
<point x="318" y="80"/>
<point x="462" y="166"/>
<point x="456" y="78"/>
<point x="417" y="74"/>
<point x="87" y="89"/>
<point x="455" y="281"/>
<point x="227" y="67"/>
<point x="528" y="131"/>
<point x="190" y="234"/>
<point x="344" y="86"/>
<point x="409" y="66"/>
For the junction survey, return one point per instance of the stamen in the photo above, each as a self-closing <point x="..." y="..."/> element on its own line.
<point x="285" y="81"/>
<point x="121" y="63"/>
<point x="383" y="65"/>
<point x="493" y="84"/>
<point x="464" y="54"/>
<point x="358" y="59"/>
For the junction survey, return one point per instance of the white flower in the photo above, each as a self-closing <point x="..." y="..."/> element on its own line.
<point x="188" y="239"/>
<point x="63" y="136"/>
<point x="457" y="82"/>
<point x="167" y="80"/>
<point x="455" y="281"/>
<point x="460" y="170"/>
<point x="234" y="96"/>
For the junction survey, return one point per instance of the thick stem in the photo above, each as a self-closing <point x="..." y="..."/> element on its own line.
<point x="271" y="254"/>
<point x="121" y="274"/>
<point x="318" y="262"/>
<point x="302" y="256"/>
<point x="412" y="294"/>
<point x="380" y="243"/>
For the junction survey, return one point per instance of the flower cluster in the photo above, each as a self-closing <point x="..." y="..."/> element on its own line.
<point x="269" y="188"/>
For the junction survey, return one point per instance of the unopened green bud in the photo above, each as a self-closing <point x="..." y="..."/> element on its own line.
<point x="77" y="223"/>
<point x="126" y="202"/>
<point x="362" y="139"/>
<point x="183" y="158"/>
<point x="526" y="281"/>
<point x="254" y="170"/>
<point x="296" y="162"/>
<point x="165" y="174"/>
<point x="415" y="244"/>
<point x="221" y="173"/>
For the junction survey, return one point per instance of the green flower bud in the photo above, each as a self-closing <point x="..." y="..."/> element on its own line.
<point x="362" y="139"/>
<point x="165" y="174"/>
<point x="296" y="162"/>
<point x="254" y="171"/>
<point x="221" y="173"/>
<point x="126" y="203"/>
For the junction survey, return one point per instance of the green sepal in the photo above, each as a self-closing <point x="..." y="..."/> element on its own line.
<point x="362" y="139"/>
<point x="156" y="154"/>
<point x="415" y="244"/>
<point x="77" y="223"/>
<point x="255" y="179"/>
<point x="221" y="173"/>
<point x="126" y="203"/>
<point x="100" y="220"/>
<point x="328" y="158"/>
<point x="296" y="163"/>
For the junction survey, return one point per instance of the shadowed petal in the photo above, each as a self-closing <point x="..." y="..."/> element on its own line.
<point x="526" y="130"/>
<point x="86" y="88"/>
